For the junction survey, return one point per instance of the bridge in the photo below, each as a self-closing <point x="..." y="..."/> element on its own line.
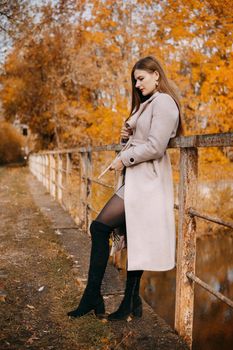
<point x="65" y="173"/>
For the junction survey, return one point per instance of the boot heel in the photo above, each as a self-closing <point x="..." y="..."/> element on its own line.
<point x="99" y="309"/>
<point x="137" y="312"/>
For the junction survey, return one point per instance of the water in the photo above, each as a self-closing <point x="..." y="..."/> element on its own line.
<point x="213" y="319"/>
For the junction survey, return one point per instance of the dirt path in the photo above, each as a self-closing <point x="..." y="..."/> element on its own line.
<point x="40" y="280"/>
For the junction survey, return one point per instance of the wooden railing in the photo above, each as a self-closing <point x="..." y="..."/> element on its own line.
<point x="52" y="167"/>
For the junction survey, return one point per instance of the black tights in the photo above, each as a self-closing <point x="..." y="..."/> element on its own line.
<point x="113" y="215"/>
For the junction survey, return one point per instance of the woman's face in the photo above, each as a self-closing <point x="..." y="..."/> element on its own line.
<point x="145" y="81"/>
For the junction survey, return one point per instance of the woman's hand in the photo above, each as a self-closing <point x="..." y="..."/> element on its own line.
<point x="117" y="165"/>
<point x="125" y="132"/>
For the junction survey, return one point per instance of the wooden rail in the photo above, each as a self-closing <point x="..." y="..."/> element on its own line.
<point x="53" y="168"/>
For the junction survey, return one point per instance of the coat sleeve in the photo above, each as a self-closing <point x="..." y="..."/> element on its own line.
<point x="165" y="119"/>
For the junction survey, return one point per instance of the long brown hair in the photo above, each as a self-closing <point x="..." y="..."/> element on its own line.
<point x="151" y="64"/>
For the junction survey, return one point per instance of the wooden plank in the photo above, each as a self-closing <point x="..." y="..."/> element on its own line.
<point x="93" y="209"/>
<point x="111" y="147"/>
<point x="210" y="289"/>
<point x="100" y="182"/>
<point x="208" y="140"/>
<point x="186" y="252"/>
<point x="211" y="218"/>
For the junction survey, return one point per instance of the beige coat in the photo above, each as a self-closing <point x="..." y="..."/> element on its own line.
<point x="149" y="198"/>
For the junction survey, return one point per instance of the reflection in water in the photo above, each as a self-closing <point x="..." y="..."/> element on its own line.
<point x="213" y="319"/>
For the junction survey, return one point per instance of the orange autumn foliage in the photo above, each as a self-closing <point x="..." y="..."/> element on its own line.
<point x="11" y="144"/>
<point x="70" y="79"/>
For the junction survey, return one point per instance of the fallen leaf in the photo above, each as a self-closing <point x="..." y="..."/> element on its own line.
<point x="31" y="339"/>
<point x="2" y="296"/>
<point x="104" y="320"/>
<point x="80" y="283"/>
<point x="104" y="340"/>
<point x="129" y="319"/>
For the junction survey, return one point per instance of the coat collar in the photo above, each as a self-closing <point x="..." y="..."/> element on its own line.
<point x="131" y="122"/>
<point x="151" y="98"/>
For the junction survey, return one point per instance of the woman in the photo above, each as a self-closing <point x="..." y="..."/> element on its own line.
<point x="144" y="202"/>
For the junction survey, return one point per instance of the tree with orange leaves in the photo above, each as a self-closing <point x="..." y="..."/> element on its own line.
<point x="72" y="75"/>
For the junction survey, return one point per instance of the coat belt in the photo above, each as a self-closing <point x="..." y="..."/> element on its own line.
<point x="135" y="142"/>
<point x="131" y="142"/>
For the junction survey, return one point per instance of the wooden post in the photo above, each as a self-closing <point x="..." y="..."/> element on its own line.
<point x="89" y="189"/>
<point x="116" y="175"/>
<point x="59" y="177"/>
<point x="68" y="167"/>
<point x="35" y="165"/>
<point x="44" y="169"/>
<point x="117" y="257"/>
<point x="47" y="171"/>
<point x="39" y="176"/>
<point x="186" y="252"/>
<point x="50" y="171"/>
<point x="83" y="189"/>
<point x="55" y="174"/>
<point x="38" y="168"/>
<point x="52" y="176"/>
<point x="41" y="168"/>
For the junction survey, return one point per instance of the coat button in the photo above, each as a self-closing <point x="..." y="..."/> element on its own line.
<point x="131" y="160"/>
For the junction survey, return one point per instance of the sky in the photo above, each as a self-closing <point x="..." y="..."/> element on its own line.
<point x="6" y="42"/>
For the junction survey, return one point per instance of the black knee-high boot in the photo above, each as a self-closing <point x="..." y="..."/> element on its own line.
<point x="92" y="299"/>
<point x="131" y="304"/>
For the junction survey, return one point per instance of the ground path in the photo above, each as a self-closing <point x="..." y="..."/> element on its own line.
<point x="42" y="276"/>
